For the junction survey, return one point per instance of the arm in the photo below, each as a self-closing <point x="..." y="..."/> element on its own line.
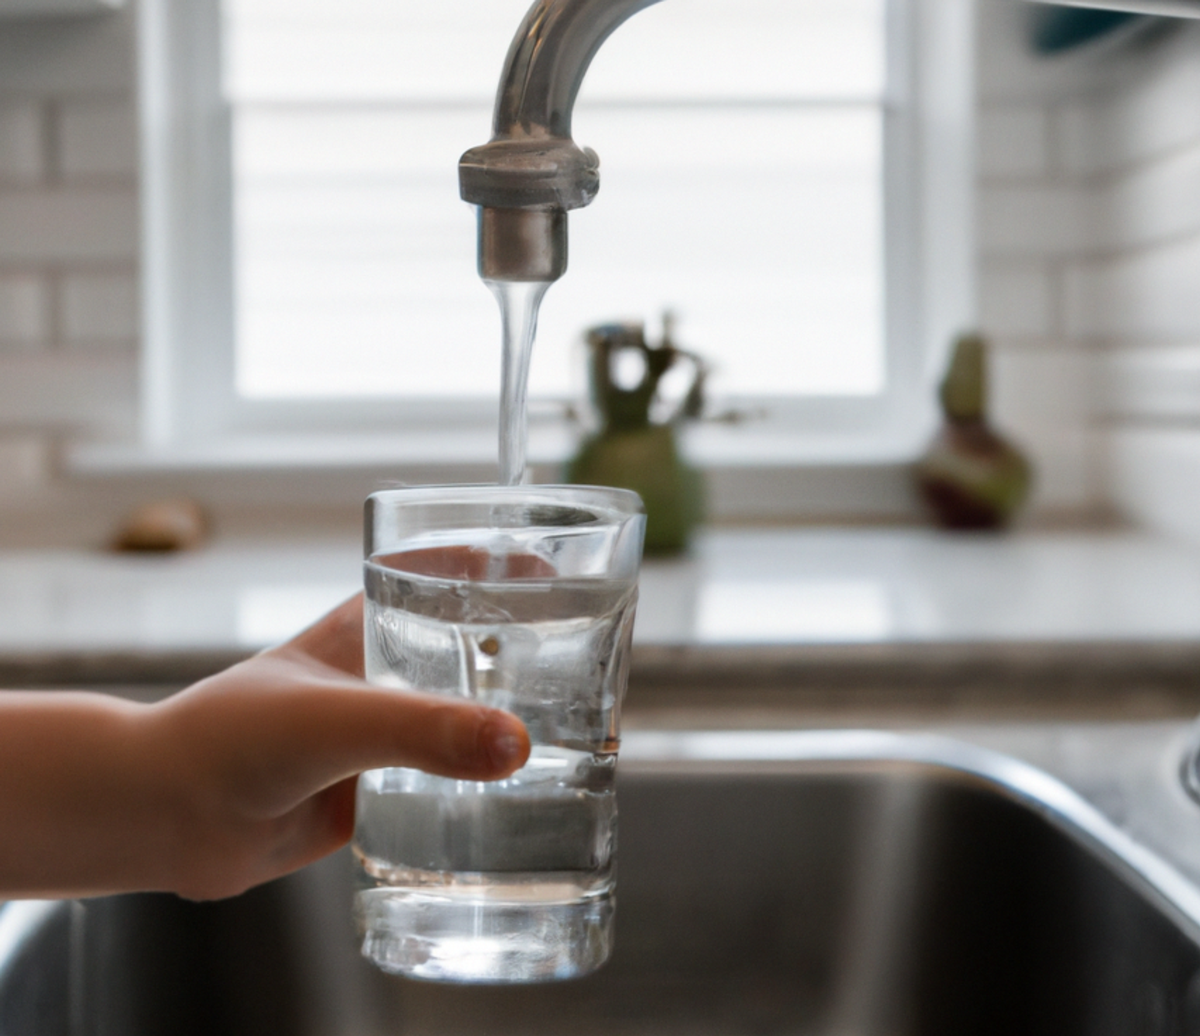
<point x="241" y="778"/>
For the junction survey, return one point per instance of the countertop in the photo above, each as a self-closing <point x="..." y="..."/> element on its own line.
<point x="795" y="586"/>
<point x="753" y="618"/>
<point x="1078" y="652"/>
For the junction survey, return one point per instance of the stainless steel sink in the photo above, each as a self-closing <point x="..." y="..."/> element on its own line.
<point x="841" y="884"/>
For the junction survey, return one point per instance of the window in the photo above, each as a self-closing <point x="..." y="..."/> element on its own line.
<point x="767" y="170"/>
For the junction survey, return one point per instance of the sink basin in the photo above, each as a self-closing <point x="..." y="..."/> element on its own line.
<point x="841" y="884"/>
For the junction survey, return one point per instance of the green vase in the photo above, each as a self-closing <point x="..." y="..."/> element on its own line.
<point x="647" y="461"/>
<point x="632" y="452"/>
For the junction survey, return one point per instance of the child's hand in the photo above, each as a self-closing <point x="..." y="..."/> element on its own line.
<point x="241" y="778"/>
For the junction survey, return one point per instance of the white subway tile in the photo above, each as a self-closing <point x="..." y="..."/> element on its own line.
<point x="1151" y="382"/>
<point x="68" y="390"/>
<point x="1044" y="401"/>
<point x="1066" y="468"/>
<point x="1016" y="301"/>
<point x="1150" y="296"/>
<point x="55" y="56"/>
<point x="1052" y="386"/>
<point x="1033" y="220"/>
<point x="1154" y="477"/>
<point x="63" y="225"/>
<point x="24" y="311"/>
<point x="1012" y="141"/>
<point x="1149" y="203"/>
<point x="1150" y="107"/>
<point x="24" y="464"/>
<point x="1080" y="136"/>
<point x="1159" y="110"/>
<point x="97" y="138"/>
<point x="22" y="142"/>
<point x="99" y="308"/>
<point x="1086" y="312"/>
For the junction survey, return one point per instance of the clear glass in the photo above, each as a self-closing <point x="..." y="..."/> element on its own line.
<point x="523" y="598"/>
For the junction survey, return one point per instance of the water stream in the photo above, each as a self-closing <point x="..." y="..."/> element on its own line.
<point x="519" y="303"/>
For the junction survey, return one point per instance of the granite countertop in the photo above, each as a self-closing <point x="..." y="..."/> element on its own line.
<point x="757" y="617"/>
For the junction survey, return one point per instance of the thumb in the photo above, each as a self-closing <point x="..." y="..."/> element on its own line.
<point x="281" y="727"/>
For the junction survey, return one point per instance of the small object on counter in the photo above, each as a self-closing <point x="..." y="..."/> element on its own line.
<point x="163" y="526"/>
<point x="970" y="477"/>
<point x="631" y="450"/>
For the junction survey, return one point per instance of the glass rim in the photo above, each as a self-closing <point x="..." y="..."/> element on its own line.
<point x="624" y="501"/>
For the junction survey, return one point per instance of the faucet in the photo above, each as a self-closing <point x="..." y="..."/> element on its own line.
<point x="531" y="173"/>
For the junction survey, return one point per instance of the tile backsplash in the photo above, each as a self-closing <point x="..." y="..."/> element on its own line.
<point x="1032" y="226"/>
<point x="1089" y="251"/>
<point x="68" y="254"/>
<point x="1089" y="239"/>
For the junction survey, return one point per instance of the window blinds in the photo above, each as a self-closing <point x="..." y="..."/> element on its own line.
<point x="741" y="186"/>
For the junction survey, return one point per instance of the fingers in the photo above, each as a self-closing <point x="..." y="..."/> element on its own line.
<point x="227" y="858"/>
<point x="360" y="727"/>
<point x="280" y="727"/>
<point x="321" y="825"/>
<point x="265" y="754"/>
<point x="337" y="639"/>
<point x="344" y="730"/>
<point x="268" y="775"/>
<point x="357" y="726"/>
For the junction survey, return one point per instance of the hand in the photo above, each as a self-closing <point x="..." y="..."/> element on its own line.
<point x="241" y="778"/>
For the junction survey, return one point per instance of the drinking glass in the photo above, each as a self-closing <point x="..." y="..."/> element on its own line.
<point x="522" y="598"/>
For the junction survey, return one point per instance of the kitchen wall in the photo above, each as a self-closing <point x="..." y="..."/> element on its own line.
<point x="1033" y="226"/>
<point x="68" y="256"/>
<point x="1135" y="298"/>
<point x="1089" y="222"/>
<point x="1089" y="241"/>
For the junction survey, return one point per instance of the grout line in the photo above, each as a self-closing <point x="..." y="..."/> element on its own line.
<point x="51" y="157"/>
<point x="1053" y="132"/>
<point x="1110" y="347"/>
<point x="1035" y="347"/>
<point x="1026" y="181"/>
<point x="1107" y="255"/>
<point x="1113" y="175"/>
<point x="49" y="310"/>
<point x="1056" y="286"/>
<point x="55" y="330"/>
<point x="90" y="185"/>
<point x="1110" y="421"/>
<point x="1092" y="255"/>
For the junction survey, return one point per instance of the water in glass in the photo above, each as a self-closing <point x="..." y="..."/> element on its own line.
<point x="496" y="881"/>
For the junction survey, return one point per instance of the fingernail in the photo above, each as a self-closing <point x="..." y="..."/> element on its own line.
<point x="504" y="748"/>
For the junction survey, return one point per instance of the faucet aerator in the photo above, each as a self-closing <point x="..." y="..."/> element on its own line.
<point x="531" y="173"/>
<point x="522" y="244"/>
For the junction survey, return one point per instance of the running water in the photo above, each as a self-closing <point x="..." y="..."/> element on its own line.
<point x="519" y="304"/>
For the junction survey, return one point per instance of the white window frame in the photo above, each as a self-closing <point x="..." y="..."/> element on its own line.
<point x="188" y="396"/>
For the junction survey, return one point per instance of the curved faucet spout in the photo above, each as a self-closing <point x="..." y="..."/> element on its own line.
<point x="531" y="165"/>
<point x="548" y="59"/>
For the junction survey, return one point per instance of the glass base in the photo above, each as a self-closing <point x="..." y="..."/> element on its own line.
<point x="483" y="939"/>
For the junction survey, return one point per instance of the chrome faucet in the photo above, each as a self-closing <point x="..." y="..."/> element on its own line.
<point x="532" y="173"/>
